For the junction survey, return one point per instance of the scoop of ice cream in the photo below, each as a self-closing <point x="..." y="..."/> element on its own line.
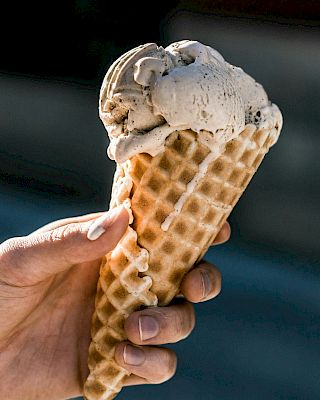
<point x="150" y="92"/>
<point x="202" y="95"/>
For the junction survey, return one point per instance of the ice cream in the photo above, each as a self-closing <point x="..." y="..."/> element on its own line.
<point x="155" y="91"/>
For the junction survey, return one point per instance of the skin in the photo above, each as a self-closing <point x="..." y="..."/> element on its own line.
<point x="47" y="288"/>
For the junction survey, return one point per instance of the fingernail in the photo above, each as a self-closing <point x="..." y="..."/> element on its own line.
<point x="206" y="284"/>
<point x="148" y="327"/>
<point x="100" y="225"/>
<point x="133" y="355"/>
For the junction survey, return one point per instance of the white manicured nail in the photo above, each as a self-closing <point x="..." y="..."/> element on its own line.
<point x="100" y="225"/>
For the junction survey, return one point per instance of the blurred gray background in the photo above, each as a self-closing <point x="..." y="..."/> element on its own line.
<point x="260" y="339"/>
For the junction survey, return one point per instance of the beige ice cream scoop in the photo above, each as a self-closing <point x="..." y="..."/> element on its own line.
<point x="188" y="131"/>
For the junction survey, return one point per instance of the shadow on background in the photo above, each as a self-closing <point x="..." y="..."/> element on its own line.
<point x="260" y="339"/>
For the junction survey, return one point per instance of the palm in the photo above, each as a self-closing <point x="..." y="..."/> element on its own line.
<point x="54" y="316"/>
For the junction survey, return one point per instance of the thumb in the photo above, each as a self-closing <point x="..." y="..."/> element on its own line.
<point x="35" y="257"/>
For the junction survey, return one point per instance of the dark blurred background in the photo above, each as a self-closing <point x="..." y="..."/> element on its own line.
<point x="261" y="338"/>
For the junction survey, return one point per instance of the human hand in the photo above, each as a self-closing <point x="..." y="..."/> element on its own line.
<point x="47" y="289"/>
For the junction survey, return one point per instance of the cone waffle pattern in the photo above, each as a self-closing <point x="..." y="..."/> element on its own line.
<point x="147" y="266"/>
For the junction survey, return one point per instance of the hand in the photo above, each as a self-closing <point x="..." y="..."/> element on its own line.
<point x="47" y="289"/>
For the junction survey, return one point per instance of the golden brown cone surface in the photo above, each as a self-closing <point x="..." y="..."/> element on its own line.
<point x="158" y="182"/>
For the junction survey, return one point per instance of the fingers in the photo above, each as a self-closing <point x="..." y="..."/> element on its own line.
<point x="202" y="283"/>
<point x="159" y="325"/>
<point x="41" y="254"/>
<point x="223" y="236"/>
<point x="66" y="221"/>
<point x="151" y="364"/>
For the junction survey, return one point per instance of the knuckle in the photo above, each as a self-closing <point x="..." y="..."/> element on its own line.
<point x="10" y="251"/>
<point x="62" y="233"/>
<point x="13" y="256"/>
<point x="168" y="367"/>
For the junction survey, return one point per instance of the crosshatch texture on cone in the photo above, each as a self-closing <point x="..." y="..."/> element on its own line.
<point x="158" y="182"/>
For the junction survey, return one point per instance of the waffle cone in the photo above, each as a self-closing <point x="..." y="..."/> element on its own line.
<point x="147" y="266"/>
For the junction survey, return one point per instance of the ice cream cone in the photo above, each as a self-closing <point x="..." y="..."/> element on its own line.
<point x="188" y="131"/>
<point x="172" y="228"/>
